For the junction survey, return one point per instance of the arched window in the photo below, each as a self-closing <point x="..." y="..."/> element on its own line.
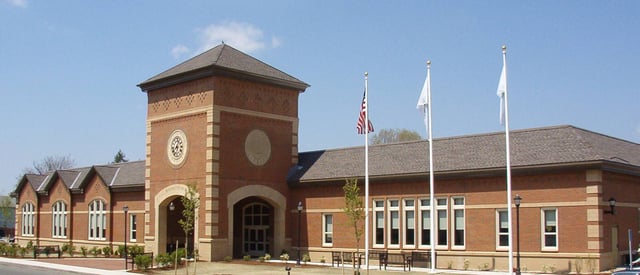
<point x="59" y="223"/>
<point x="27" y="219"/>
<point x="97" y="220"/>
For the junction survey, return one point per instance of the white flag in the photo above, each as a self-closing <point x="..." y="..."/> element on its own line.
<point x="502" y="90"/>
<point x="423" y="101"/>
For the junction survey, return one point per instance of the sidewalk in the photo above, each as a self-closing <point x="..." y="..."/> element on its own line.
<point x="115" y="266"/>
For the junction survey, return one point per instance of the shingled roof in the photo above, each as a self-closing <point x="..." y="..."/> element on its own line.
<point x="530" y="148"/>
<point x="117" y="175"/>
<point x="222" y="60"/>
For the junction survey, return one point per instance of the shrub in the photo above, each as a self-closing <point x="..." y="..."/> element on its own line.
<point x="284" y="257"/>
<point x="246" y="257"/>
<point x="142" y="262"/>
<point x="181" y="254"/>
<point x="23" y="251"/>
<point x="306" y="258"/>
<point x="66" y="248"/>
<point x="95" y="251"/>
<point x="135" y="250"/>
<point x="120" y="250"/>
<point x="83" y="250"/>
<point x="227" y="259"/>
<point x="107" y="251"/>
<point x="267" y="257"/>
<point x="30" y="245"/>
<point x="322" y="259"/>
<point x="164" y="259"/>
<point x="261" y="259"/>
<point x="11" y="250"/>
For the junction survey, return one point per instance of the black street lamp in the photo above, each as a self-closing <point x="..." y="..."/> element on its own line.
<point x="299" y="217"/>
<point x="517" y="200"/>
<point x="126" y="209"/>
<point x="612" y="206"/>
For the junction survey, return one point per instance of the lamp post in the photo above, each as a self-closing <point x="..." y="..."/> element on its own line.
<point x="125" y="209"/>
<point x="612" y="206"/>
<point x="299" y="217"/>
<point x="517" y="201"/>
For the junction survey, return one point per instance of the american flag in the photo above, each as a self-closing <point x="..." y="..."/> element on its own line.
<point x="362" y="117"/>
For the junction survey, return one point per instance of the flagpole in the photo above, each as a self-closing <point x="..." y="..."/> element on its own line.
<point x="366" y="173"/>
<point x="431" y="184"/>
<point x="508" y="156"/>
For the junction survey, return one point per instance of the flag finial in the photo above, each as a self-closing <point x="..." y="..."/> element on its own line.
<point x="428" y="63"/>
<point x="366" y="73"/>
<point x="504" y="48"/>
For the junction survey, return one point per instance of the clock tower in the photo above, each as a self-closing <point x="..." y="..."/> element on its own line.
<point x="227" y="124"/>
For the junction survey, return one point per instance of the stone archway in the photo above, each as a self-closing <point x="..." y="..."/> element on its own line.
<point x="162" y="200"/>
<point x="271" y="196"/>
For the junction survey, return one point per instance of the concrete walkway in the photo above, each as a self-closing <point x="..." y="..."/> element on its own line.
<point x="115" y="266"/>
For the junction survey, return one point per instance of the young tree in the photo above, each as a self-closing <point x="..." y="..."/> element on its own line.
<point x="354" y="209"/>
<point x="191" y="202"/>
<point x="120" y="157"/>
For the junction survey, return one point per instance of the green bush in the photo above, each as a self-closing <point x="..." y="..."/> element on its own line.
<point x="120" y="250"/>
<point x="261" y="259"/>
<point x="181" y="254"/>
<point x="135" y="249"/>
<point x="246" y="257"/>
<point x="142" y="262"/>
<point x="267" y="257"/>
<point x="227" y="259"/>
<point x="30" y="245"/>
<point x="164" y="260"/>
<point x="95" y="251"/>
<point x="12" y="250"/>
<point x="306" y="258"/>
<point x="83" y="250"/>
<point x="23" y="251"/>
<point x="107" y="251"/>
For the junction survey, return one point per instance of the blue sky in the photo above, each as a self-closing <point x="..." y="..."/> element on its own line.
<point x="69" y="69"/>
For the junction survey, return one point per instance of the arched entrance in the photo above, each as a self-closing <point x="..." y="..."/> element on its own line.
<point x="168" y="230"/>
<point x="253" y="228"/>
<point x="264" y="232"/>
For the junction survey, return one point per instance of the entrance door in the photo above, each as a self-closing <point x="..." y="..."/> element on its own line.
<point x="255" y="229"/>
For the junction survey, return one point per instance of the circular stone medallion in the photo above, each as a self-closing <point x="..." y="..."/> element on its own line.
<point x="257" y="147"/>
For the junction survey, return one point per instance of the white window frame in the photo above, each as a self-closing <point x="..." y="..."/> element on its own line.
<point x="327" y="230"/>
<point x="409" y="222"/>
<point x="442" y="209"/>
<point x="391" y="210"/>
<point x="458" y="208"/>
<point x="544" y="234"/>
<point x="97" y="220"/>
<point x="59" y="220"/>
<point x="498" y="227"/>
<point x="28" y="219"/>
<point x="133" y="228"/>
<point x="424" y="207"/>
<point x="378" y="208"/>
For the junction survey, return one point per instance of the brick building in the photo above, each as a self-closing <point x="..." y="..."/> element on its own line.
<point x="228" y="124"/>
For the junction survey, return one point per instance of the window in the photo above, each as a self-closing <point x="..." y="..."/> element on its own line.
<point x="97" y="220"/>
<point x="502" y="229"/>
<point x="441" y="209"/>
<point x="425" y="222"/>
<point x="133" y="228"/>
<point x="378" y="210"/>
<point x="327" y="230"/>
<point x="409" y="223"/>
<point x="59" y="224"/>
<point x="27" y="219"/>
<point x="549" y="229"/>
<point x="458" y="221"/>
<point x="394" y="223"/>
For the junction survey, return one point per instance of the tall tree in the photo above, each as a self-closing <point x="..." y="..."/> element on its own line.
<point x="50" y="163"/>
<point x="354" y="209"/>
<point x="6" y="211"/>
<point x="394" y="135"/>
<point x="191" y="202"/>
<point x="120" y="157"/>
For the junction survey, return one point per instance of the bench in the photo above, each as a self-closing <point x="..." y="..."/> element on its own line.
<point x="386" y="258"/>
<point x="420" y="259"/>
<point x="341" y="257"/>
<point x="47" y="250"/>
